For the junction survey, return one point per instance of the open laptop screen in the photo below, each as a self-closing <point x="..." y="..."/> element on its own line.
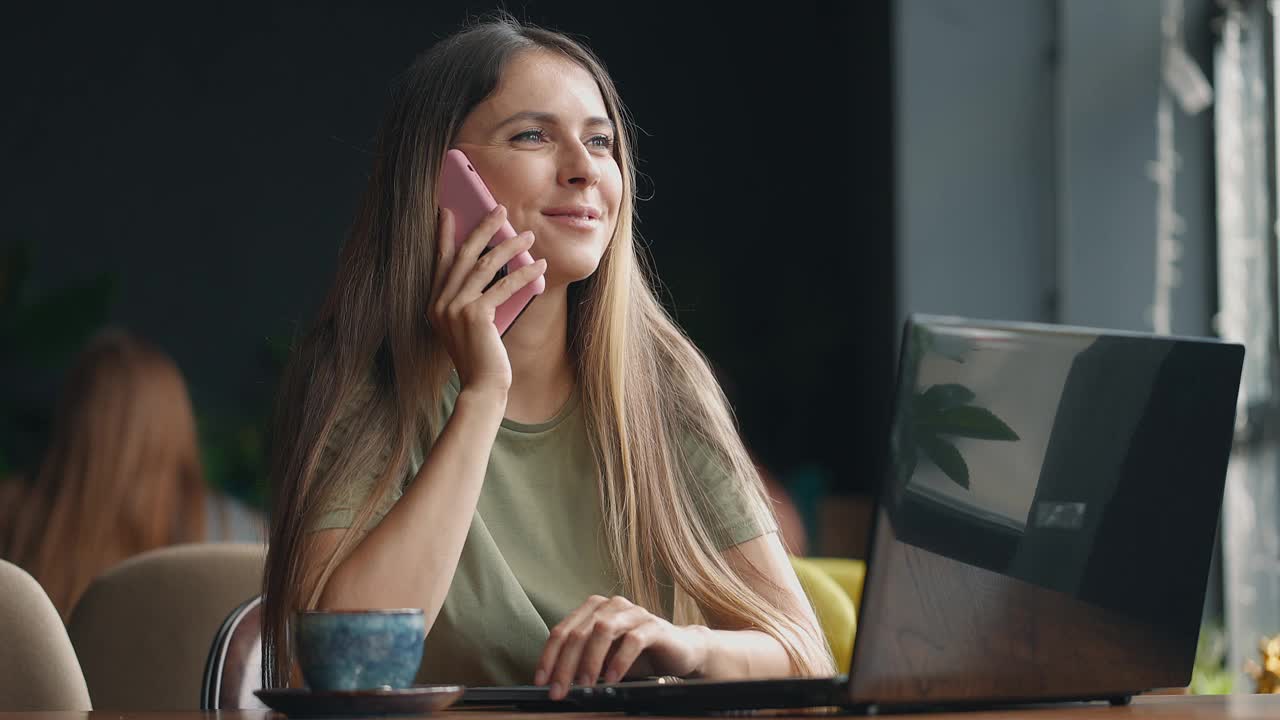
<point x="1049" y="487"/>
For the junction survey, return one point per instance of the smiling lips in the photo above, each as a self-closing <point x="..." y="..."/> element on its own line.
<point x="582" y="211"/>
<point x="579" y="217"/>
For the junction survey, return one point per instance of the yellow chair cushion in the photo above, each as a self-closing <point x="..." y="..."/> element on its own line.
<point x="848" y="573"/>
<point x="832" y="602"/>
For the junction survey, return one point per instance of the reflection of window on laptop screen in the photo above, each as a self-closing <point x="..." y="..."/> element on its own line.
<point x="1017" y="382"/>
<point x="983" y="406"/>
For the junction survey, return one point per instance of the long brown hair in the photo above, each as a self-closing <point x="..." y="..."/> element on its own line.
<point x="121" y="475"/>
<point x="646" y="389"/>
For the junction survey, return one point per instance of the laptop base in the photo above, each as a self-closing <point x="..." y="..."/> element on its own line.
<point x="689" y="697"/>
<point x="717" y="697"/>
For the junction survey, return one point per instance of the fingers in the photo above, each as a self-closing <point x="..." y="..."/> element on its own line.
<point x="586" y="643"/>
<point x="445" y="310"/>
<point x="628" y="649"/>
<point x="609" y="626"/>
<point x="559" y="636"/>
<point x="512" y="283"/>
<point x="464" y="257"/>
<point x="490" y="263"/>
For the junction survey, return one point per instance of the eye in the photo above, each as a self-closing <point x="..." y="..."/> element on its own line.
<point x="603" y="142"/>
<point x="530" y="136"/>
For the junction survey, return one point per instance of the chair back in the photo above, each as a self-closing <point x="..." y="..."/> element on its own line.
<point x="143" y="628"/>
<point x="234" y="667"/>
<point x="38" y="666"/>
<point x="825" y="583"/>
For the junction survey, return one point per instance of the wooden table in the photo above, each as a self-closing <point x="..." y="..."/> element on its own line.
<point x="1224" y="707"/>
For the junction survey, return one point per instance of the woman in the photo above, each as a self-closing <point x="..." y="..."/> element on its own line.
<point x="121" y="476"/>
<point x="567" y="502"/>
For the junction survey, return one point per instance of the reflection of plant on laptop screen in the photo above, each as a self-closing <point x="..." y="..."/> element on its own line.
<point x="936" y="414"/>
<point x="976" y="414"/>
<point x="947" y="410"/>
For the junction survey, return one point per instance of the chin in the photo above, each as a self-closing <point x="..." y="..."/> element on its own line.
<point x="570" y="267"/>
<point x="565" y="274"/>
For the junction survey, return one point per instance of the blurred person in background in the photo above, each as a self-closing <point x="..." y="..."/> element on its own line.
<point x="121" y="474"/>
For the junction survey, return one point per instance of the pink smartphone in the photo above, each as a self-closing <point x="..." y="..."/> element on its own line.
<point x="466" y="196"/>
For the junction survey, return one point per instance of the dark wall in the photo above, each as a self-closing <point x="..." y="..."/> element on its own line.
<point x="210" y="159"/>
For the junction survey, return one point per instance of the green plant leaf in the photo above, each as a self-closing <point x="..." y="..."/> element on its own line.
<point x="55" y="327"/>
<point x="943" y="396"/>
<point x="969" y="421"/>
<point x="1211" y="682"/>
<point x="946" y="457"/>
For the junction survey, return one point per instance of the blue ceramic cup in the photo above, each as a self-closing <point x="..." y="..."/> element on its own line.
<point x="359" y="649"/>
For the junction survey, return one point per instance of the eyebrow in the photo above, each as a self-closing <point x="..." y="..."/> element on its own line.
<point x="547" y="118"/>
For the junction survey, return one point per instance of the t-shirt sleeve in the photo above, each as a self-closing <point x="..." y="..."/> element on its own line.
<point x="727" y="507"/>
<point x="338" y="509"/>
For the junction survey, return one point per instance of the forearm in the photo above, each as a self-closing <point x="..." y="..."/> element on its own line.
<point x="743" y="655"/>
<point x="409" y="559"/>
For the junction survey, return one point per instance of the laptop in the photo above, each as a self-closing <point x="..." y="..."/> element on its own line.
<point x="1043" y="530"/>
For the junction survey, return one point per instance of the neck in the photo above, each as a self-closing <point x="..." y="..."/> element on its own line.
<point x="542" y="376"/>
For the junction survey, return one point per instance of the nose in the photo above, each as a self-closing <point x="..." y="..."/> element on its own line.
<point x="577" y="167"/>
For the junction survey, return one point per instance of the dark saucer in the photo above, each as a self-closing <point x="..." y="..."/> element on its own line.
<point x="304" y="703"/>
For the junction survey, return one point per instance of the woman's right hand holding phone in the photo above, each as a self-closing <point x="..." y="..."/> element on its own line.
<point x="461" y="311"/>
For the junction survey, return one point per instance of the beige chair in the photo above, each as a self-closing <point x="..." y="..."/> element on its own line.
<point x="38" y="667"/>
<point x="143" y="628"/>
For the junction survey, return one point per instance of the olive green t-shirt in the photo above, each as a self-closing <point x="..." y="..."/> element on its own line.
<point x="534" y="551"/>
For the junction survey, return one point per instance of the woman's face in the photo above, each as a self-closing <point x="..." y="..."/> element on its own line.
<point x="543" y="143"/>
